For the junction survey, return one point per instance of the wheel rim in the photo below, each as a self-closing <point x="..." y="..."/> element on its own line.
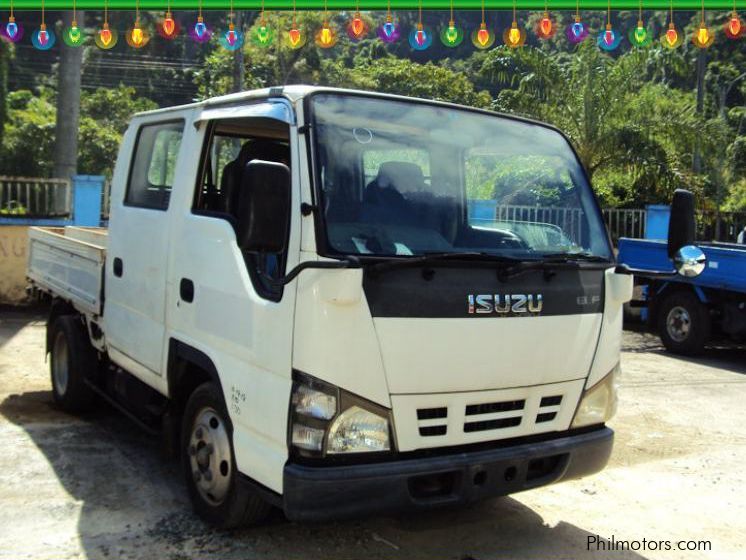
<point x="210" y="456"/>
<point x="60" y="364"/>
<point x="678" y="323"/>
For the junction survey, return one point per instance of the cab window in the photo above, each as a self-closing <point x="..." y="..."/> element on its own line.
<point x="153" y="166"/>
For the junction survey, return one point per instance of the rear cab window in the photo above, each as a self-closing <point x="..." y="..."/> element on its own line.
<point x="153" y="168"/>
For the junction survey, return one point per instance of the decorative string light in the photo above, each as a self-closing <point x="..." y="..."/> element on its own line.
<point x="389" y="31"/>
<point x="168" y="28"/>
<point x="514" y="37"/>
<point x="200" y="32"/>
<point x="294" y="38"/>
<point x="12" y="31"/>
<point x="43" y="39"/>
<point x="137" y="37"/>
<point x="73" y="36"/>
<point x="671" y="38"/>
<point x="263" y="34"/>
<point x="483" y="38"/>
<point x="326" y="37"/>
<point x="106" y="38"/>
<point x="357" y="28"/>
<point x="577" y="31"/>
<point x="609" y="39"/>
<point x="451" y="36"/>
<point x="420" y="38"/>
<point x="734" y="28"/>
<point x="639" y="36"/>
<point x="232" y="39"/>
<point x="703" y="37"/>
<point x="546" y="27"/>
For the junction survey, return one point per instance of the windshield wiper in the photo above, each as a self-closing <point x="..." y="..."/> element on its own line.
<point x="573" y="257"/>
<point x="430" y="258"/>
<point x="549" y="261"/>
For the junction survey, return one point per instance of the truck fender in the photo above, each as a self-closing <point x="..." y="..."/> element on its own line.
<point x="188" y="366"/>
<point x="58" y="308"/>
<point x="665" y="286"/>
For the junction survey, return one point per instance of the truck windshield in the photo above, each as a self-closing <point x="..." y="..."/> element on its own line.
<point x="400" y="178"/>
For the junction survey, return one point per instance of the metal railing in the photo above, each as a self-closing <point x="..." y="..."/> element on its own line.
<point x="621" y="222"/>
<point x="625" y="222"/>
<point x="106" y="200"/>
<point x="27" y="197"/>
<point x="568" y="219"/>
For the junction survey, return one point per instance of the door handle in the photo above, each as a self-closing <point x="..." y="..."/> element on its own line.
<point x="186" y="290"/>
<point x="118" y="267"/>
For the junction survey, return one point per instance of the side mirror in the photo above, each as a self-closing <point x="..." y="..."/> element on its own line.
<point x="681" y="225"/>
<point x="264" y="207"/>
<point x="689" y="261"/>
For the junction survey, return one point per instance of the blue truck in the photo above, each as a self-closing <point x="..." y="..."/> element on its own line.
<point x="688" y="310"/>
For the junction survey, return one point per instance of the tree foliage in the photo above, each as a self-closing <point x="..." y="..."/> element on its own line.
<point x="28" y="142"/>
<point x="632" y="115"/>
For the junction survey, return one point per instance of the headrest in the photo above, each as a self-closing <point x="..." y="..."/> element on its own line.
<point x="400" y="175"/>
<point x="268" y="150"/>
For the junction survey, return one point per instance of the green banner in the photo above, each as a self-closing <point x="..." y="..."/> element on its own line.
<point x="336" y="5"/>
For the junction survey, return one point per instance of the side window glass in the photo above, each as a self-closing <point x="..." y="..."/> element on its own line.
<point x="222" y="192"/>
<point x="151" y="176"/>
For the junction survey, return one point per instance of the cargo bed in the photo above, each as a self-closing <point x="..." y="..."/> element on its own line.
<point x="69" y="263"/>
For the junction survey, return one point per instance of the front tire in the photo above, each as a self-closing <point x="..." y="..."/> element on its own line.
<point x="73" y="359"/>
<point x="683" y="323"/>
<point x="209" y="464"/>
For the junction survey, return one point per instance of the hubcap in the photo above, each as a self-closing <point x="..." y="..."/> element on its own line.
<point x="210" y="456"/>
<point x="678" y="323"/>
<point x="60" y="365"/>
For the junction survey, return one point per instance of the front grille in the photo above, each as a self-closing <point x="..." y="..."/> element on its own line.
<point x="457" y="418"/>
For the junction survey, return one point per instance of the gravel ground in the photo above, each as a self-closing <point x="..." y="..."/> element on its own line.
<point x="96" y="487"/>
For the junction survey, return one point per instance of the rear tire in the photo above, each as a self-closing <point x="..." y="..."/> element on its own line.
<point x="683" y="323"/>
<point x="73" y="359"/>
<point x="209" y="464"/>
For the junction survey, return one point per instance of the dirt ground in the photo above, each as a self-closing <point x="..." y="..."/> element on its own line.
<point x="96" y="487"/>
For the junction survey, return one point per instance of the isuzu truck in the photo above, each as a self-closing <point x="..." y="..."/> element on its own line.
<point x="300" y="287"/>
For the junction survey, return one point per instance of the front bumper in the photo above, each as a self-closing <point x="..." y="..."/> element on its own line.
<point x="321" y="493"/>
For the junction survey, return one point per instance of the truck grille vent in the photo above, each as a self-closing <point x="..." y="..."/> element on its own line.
<point x="492" y="424"/>
<point x="495" y="416"/>
<point x="548" y="408"/>
<point x="432" y="413"/>
<point x="432" y="421"/>
<point x="488" y="408"/>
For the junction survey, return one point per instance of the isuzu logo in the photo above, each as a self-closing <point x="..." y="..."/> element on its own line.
<point x="504" y="304"/>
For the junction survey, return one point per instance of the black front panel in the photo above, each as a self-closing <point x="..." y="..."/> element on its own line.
<point x="450" y="292"/>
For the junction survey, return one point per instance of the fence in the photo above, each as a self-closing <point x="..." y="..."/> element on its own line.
<point x="621" y="222"/>
<point x="35" y="198"/>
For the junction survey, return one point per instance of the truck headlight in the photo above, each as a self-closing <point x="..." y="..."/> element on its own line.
<point x="325" y="420"/>
<point x="598" y="403"/>
<point x="357" y="430"/>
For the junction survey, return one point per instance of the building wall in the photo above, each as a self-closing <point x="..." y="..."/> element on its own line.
<point x="13" y="254"/>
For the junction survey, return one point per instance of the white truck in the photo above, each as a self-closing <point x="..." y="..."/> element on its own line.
<point x="293" y="288"/>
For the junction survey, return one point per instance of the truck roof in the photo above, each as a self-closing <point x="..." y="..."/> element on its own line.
<point x="294" y="92"/>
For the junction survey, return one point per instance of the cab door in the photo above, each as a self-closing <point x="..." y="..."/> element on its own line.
<point x="138" y="246"/>
<point x="219" y="301"/>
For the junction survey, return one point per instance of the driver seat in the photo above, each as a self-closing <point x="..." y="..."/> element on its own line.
<point x="383" y="201"/>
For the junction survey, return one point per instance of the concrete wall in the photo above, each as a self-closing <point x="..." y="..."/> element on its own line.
<point x="86" y="211"/>
<point x="13" y="254"/>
